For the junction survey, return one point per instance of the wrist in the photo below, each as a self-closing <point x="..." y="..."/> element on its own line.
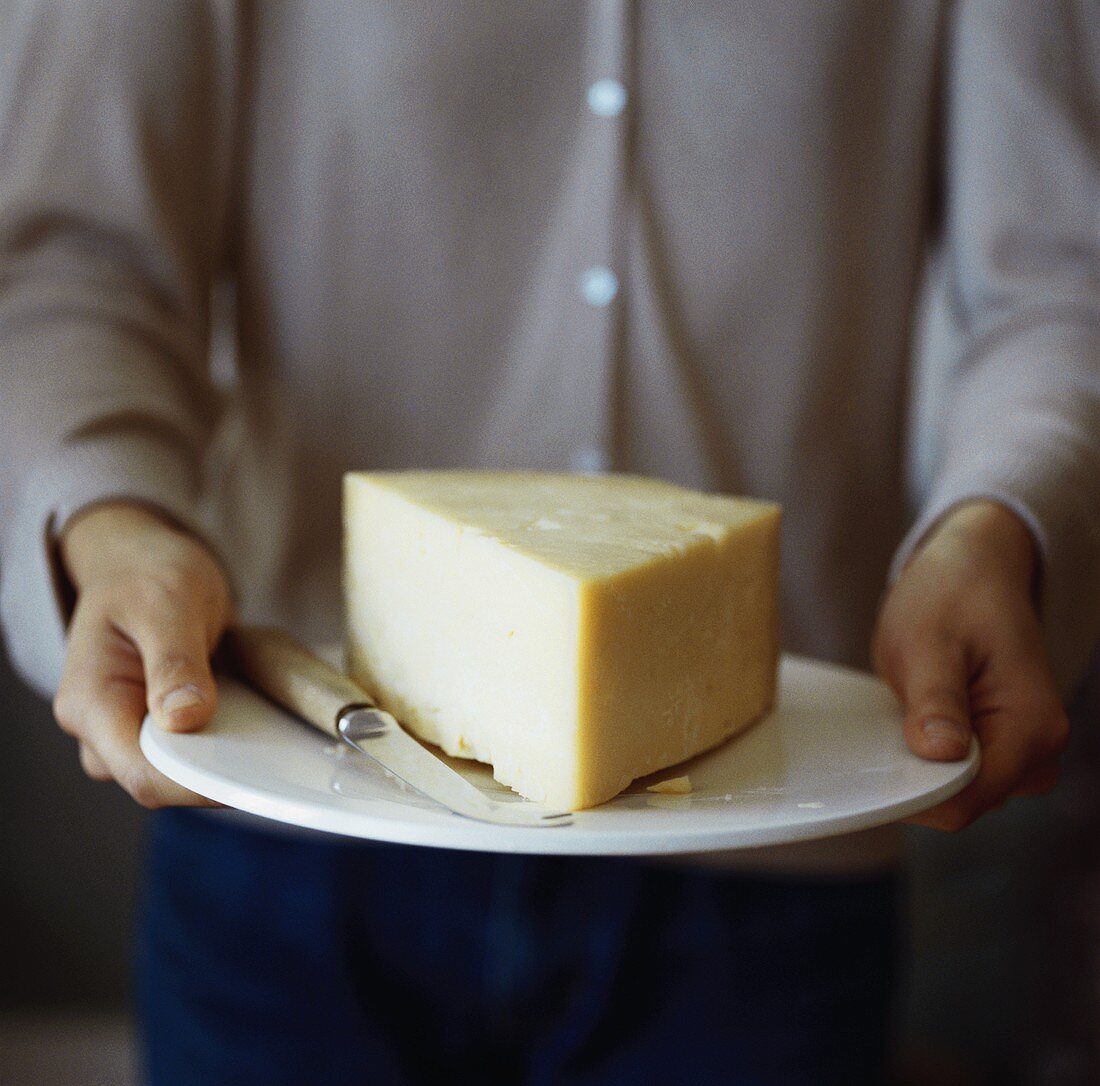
<point x="990" y="538"/>
<point x="93" y="536"/>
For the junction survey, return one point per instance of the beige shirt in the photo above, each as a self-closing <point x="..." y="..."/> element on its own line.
<point x="681" y="239"/>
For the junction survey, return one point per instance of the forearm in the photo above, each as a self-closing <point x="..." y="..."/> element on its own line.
<point x="1015" y="395"/>
<point x="108" y="249"/>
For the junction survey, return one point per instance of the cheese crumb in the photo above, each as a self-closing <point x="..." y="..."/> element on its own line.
<point x="674" y="786"/>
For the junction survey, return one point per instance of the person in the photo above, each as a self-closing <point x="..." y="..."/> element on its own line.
<point x="684" y="240"/>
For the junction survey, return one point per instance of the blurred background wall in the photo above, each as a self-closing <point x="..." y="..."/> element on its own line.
<point x="69" y="855"/>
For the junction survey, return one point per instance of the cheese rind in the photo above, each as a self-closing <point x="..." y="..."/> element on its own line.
<point x="575" y="632"/>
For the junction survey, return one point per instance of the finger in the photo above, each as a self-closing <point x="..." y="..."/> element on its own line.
<point x="1022" y="729"/>
<point x="1002" y="764"/>
<point x="173" y="641"/>
<point x="103" y="699"/>
<point x="932" y="682"/>
<point x="94" y="656"/>
<point x="93" y="766"/>
<point x="1039" y="781"/>
<point x="1007" y="752"/>
<point x="116" y="730"/>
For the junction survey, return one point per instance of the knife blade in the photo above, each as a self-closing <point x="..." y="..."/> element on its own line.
<point x="273" y="663"/>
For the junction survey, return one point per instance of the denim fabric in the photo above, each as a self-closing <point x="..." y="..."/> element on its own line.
<point x="275" y="960"/>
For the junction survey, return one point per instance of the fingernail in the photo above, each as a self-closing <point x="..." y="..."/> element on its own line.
<point x="183" y="697"/>
<point x="947" y="731"/>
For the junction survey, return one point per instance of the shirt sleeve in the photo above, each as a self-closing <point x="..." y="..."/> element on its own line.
<point x="1019" y="395"/>
<point x="115" y="161"/>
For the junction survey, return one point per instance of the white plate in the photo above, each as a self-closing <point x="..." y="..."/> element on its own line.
<point x="829" y="759"/>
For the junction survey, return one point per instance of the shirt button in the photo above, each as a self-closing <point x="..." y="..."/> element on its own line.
<point x="590" y="460"/>
<point x="606" y="97"/>
<point x="599" y="285"/>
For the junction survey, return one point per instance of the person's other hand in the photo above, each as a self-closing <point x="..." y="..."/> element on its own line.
<point x="151" y="604"/>
<point x="958" y="638"/>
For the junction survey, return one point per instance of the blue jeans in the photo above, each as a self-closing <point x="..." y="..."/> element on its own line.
<point x="269" y="959"/>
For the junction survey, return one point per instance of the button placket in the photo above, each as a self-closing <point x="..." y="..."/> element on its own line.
<point x="598" y="282"/>
<point x="555" y="404"/>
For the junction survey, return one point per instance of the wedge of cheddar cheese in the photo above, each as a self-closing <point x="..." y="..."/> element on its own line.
<point x="575" y="632"/>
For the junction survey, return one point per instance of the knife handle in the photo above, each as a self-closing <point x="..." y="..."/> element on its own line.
<point x="272" y="662"/>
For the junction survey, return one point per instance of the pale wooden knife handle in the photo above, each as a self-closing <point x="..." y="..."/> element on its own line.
<point x="270" y="660"/>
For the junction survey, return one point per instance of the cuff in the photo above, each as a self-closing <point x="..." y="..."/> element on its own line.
<point x="944" y="501"/>
<point x="1018" y="425"/>
<point x="1068" y="545"/>
<point x="35" y="597"/>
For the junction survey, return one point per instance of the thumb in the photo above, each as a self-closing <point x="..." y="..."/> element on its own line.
<point x="175" y="651"/>
<point x="932" y="681"/>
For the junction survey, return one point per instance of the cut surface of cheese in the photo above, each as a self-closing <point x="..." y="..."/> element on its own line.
<point x="575" y="632"/>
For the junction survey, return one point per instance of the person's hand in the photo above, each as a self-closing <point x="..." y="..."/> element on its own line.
<point x="959" y="640"/>
<point x="151" y="604"/>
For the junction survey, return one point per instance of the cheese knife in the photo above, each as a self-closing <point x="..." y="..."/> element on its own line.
<point x="270" y="661"/>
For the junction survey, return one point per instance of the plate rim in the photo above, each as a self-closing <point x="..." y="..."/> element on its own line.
<point x="452" y="831"/>
<point x="448" y="830"/>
